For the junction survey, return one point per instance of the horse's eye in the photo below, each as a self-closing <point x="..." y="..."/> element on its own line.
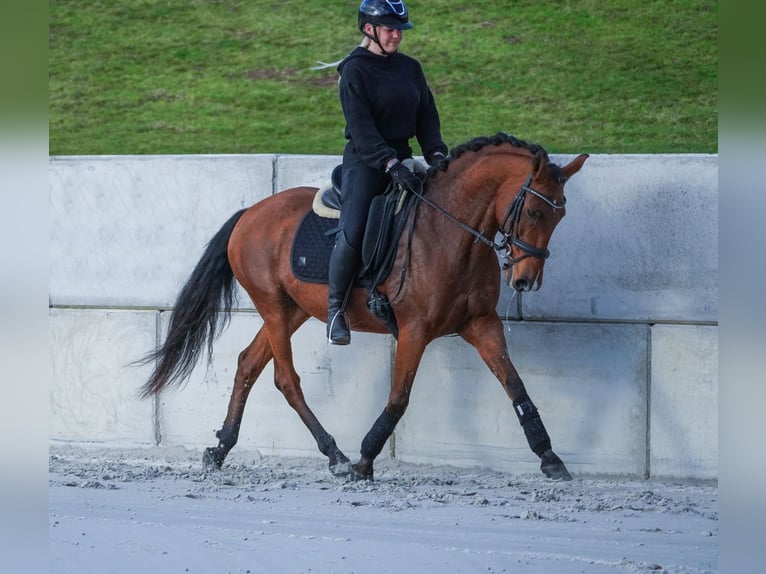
<point x="533" y="214"/>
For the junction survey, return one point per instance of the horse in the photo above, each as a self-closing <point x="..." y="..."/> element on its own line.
<point x="489" y="187"/>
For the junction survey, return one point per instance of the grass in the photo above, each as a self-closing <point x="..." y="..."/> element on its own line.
<point x="230" y="76"/>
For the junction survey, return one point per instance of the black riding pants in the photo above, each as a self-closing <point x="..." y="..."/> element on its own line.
<point x="360" y="184"/>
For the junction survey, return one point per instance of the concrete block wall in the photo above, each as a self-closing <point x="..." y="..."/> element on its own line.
<point x="618" y="349"/>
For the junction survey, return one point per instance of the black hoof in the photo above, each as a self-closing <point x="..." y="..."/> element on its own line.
<point x="340" y="465"/>
<point x="213" y="458"/>
<point x="362" y="470"/>
<point x="553" y="467"/>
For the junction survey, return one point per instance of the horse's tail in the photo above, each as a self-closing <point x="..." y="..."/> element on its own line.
<point x="209" y="290"/>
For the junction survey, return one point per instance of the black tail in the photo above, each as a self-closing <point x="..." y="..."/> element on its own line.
<point x="209" y="290"/>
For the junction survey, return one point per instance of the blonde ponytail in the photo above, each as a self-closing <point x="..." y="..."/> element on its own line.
<point x="324" y="65"/>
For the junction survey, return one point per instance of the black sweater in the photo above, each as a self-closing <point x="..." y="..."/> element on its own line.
<point x="386" y="101"/>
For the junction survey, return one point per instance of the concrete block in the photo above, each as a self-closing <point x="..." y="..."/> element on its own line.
<point x="589" y="382"/>
<point x="638" y="246"/>
<point x="127" y="230"/>
<point x="93" y="392"/>
<point x="304" y="170"/>
<point x="639" y="242"/>
<point x="684" y="401"/>
<point x="346" y="388"/>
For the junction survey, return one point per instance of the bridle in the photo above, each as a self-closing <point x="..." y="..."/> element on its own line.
<point x="510" y="226"/>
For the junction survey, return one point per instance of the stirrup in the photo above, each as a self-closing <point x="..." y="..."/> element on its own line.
<point x="338" y="323"/>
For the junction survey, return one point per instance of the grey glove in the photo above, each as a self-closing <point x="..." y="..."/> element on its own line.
<point x="402" y="175"/>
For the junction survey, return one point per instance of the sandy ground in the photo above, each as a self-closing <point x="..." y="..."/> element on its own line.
<point x="156" y="510"/>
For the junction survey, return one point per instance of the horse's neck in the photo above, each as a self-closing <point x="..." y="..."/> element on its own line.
<point x="472" y="193"/>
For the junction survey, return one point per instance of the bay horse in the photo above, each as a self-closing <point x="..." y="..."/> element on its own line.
<point x="488" y="186"/>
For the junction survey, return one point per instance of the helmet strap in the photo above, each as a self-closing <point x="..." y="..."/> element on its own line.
<point x="375" y="38"/>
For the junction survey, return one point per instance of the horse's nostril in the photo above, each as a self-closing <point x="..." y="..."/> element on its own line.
<point x="521" y="285"/>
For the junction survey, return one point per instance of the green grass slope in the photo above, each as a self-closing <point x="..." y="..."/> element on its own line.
<point x="230" y="76"/>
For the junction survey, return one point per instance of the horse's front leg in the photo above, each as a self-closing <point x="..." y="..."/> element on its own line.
<point x="409" y="351"/>
<point x="486" y="334"/>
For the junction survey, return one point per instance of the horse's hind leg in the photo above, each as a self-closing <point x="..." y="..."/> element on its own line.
<point x="287" y="381"/>
<point x="250" y="364"/>
<point x="486" y="334"/>
<point x="409" y="351"/>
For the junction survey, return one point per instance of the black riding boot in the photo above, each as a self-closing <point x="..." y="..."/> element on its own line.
<point x="344" y="261"/>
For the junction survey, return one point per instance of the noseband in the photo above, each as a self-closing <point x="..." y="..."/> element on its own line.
<point x="510" y="227"/>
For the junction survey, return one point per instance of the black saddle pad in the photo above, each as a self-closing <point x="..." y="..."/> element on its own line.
<point x="314" y="240"/>
<point x="312" y="246"/>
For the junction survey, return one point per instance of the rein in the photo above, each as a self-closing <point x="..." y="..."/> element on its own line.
<point x="509" y="228"/>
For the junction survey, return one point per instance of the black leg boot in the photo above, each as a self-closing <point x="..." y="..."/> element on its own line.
<point x="344" y="262"/>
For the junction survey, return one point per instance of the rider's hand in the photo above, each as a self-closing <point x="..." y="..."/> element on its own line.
<point x="402" y="175"/>
<point x="438" y="161"/>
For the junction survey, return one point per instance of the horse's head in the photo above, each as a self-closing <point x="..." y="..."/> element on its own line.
<point x="531" y="218"/>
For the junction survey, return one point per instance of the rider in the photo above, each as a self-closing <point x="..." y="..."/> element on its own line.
<point x="386" y="101"/>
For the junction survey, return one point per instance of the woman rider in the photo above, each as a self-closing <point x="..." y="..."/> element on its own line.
<point x="386" y="101"/>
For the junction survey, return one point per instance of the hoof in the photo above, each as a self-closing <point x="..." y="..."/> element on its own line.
<point x="362" y="470"/>
<point x="339" y="463"/>
<point x="553" y="467"/>
<point x="213" y="458"/>
<point x="341" y="469"/>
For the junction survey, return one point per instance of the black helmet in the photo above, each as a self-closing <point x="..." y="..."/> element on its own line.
<point x="389" y="13"/>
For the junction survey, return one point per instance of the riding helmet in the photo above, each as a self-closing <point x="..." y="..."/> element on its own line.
<point x="389" y="13"/>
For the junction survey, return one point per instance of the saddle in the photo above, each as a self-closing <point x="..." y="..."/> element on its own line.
<point x="314" y="240"/>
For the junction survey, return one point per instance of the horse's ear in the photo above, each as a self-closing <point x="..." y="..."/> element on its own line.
<point x="574" y="166"/>
<point x="539" y="164"/>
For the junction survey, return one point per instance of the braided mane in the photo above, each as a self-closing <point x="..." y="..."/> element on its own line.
<point x="479" y="142"/>
<point x="499" y="138"/>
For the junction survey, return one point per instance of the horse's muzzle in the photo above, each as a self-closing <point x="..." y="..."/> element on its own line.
<point x="523" y="282"/>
